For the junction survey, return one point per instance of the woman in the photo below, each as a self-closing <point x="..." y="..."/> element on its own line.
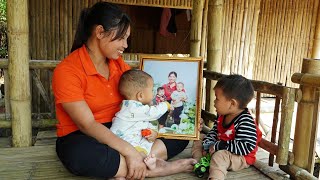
<point x="85" y="85"/>
<point x="170" y="86"/>
<point x="168" y="89"/>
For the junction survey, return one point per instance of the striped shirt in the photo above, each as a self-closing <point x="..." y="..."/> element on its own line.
<point x="240" y="137"/>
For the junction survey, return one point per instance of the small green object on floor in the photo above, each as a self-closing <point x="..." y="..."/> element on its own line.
<point x="202" y="166"/>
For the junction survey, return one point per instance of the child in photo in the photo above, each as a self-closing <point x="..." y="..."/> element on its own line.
<point x="178" y="97"/>
<point x="136" y="87"/>
<point x="232" y="142"/>
<point x="161" y="97"/>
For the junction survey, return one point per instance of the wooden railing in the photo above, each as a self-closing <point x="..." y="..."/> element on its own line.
<point x="284" y="104"/>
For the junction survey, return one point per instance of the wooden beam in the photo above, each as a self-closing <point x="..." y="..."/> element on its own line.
<point x="20" y="99"/>
<point x="36" y="123"/>
<point x="181" y="4"/>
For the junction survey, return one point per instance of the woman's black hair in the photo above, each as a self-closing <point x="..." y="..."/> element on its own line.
<point x="174" y="73"/>
<point x="108" y="15"/>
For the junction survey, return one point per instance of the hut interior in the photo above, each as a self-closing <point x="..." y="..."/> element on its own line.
<point x="266" y="41"/>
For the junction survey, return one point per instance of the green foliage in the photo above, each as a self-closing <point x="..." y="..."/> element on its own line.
<point x="3" y="29"/>
<point x="3" y="10"/>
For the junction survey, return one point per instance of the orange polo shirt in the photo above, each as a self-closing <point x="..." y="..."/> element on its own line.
<point x="76" y="79"/>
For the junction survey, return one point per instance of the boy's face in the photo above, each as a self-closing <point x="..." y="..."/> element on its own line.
<point x="147" y="92"/>
<point x="161" y="92"/>
<point x="180" y="87"/>
<point x="221" y="103"/>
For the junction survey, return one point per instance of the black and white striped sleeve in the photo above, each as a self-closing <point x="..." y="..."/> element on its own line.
<point x="211" y="137"/>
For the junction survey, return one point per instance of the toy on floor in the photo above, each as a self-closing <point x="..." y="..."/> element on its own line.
<point x="202" y="166"/>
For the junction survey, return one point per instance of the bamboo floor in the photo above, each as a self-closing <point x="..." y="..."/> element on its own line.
<point x="40" y="162"/>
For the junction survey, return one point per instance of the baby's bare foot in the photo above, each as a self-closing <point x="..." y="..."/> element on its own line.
<point x="150" y="161"/>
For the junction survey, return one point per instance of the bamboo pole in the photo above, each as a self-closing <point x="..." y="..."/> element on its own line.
<point x="203" y="47"/>
<point x="51" y="64"/>
<point x="316" y="39"/>
<point x="302" y="147"/>
<point x="242" y="37"/>
<point x="18" y="35"/>
<point x="274" y="126"/>
<point x="252" y="48"/>
<point x="226" y="32"/>
<point x="287" y="107"/>
<point x="57" y="30"/>
<point x="297" y="173"/>
<point x="196" y="24"/>
<point x="214" y="43"/>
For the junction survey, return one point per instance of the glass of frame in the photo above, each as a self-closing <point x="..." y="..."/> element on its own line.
<point x="179" y="82"/>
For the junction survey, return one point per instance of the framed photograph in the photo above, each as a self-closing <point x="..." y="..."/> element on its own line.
<point x="177" y="81"/>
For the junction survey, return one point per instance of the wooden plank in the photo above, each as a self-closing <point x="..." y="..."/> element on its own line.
<point x="41" y="162"/>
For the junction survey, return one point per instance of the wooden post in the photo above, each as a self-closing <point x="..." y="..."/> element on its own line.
<point x="303" y="149"/>
<point x="196" y="24"/>
<point x="285" y="125"/>
<point x="215" y="11"/>
<point x="18" y="35"/>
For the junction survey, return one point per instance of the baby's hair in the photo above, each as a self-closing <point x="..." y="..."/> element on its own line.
<point x="180" y="83"/>
<point x="159" y="89"/>
<point x="133" y="81"/>
<point x="236" y="87"/>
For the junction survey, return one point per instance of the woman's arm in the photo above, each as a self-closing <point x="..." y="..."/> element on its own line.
<point x="82" y="116"/>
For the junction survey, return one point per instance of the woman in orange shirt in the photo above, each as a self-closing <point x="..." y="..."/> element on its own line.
<point x="85" y="85"/>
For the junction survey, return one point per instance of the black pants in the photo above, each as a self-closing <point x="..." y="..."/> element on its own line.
<point x="176" y="114"/>
<point x="84" y="156"/>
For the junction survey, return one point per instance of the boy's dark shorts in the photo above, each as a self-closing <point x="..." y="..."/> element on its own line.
<point x="84" y="156"/>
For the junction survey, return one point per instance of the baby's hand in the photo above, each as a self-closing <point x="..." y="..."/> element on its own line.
<point x="153" y="136"/>
<point x="211" y="149"/>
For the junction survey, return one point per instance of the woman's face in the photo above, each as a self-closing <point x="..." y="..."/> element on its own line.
<point x="114" y="49"/>
<point x="172" y="78"/>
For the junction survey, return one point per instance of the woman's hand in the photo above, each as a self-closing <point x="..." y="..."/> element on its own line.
<point x="153" y="136"/>
<point x="137" y="169"/>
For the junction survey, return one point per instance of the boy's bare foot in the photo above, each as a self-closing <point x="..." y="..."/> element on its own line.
<point x="150" y="161"/>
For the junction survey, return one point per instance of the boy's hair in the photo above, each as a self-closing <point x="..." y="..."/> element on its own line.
<point x="236" y="87"/>
<point x="159" y="89"/>
<point x="133" y="81"/>
<point x="180" y="83"/>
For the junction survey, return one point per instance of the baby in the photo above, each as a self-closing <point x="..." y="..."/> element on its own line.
<point x="136" y="87"/>
<point x="178" y="97"/>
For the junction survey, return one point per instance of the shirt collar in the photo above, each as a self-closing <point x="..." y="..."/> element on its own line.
<point x="86" y="61"/>
<point x="89" y="67"/>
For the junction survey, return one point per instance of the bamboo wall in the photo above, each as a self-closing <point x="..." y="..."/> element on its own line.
<point x="262" y="39"/>
<point x="285" y="37"/>
<point x="53" y="25"/>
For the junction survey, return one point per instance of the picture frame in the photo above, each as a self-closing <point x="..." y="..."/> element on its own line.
<point x="177" y="80"/>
